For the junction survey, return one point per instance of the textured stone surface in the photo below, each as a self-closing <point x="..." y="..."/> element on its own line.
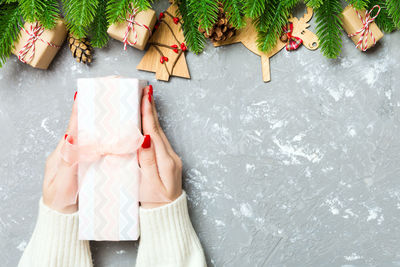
<point x="303" y="170"/>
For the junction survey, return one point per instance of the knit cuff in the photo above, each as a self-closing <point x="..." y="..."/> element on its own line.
<point x="167" y="237"/>
<point x="54" y="241"/>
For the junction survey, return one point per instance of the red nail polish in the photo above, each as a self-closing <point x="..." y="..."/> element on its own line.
<point x="65" y="136"/>
<point x="75" y="95"/>
<point x="151" y="89"/>
<point x="146" y="141"/>
<point x="149" y="97"/>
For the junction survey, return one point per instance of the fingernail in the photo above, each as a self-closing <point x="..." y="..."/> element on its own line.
<point x="75" y="95"/>
<point x="146" y="141"/>
<point x="149" y="96"/>
<point x="65" y="136"/>
<point x="151" y="89"/>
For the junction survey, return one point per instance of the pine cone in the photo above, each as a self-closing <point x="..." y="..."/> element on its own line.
<point x="81" y="49"/>
<point x="222" y="29"/>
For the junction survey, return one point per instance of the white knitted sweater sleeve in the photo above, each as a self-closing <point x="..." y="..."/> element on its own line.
<point x="167" y="237"/>
<point x="55" y="243"/>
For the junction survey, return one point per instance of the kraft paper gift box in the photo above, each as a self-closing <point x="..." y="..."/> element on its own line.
<point x="39" y="45"/>
<point x="109" y="135"/>
<point x="138" y="32"/>
<point x="352" y="23"/>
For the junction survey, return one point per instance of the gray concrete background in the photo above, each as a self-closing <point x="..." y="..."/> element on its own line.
<point x="301" y="171"/>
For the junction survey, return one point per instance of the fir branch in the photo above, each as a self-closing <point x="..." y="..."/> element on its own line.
<point x="50" y="14"/>
<point x="10" y="23"/>
<point x="98" y="29"/>
<point x="254" y="8"/>
<point x="270" y="26"/>
<point x="204" y="11"/>
<point x="235" y="12"/>
<point x="393" y="7"/>
<point x="314" y="3"/>
<point x="383" y="20"/>
<point x="79" y="14"/>
<point x="118" y="9"/>
<point x="328" y="18"/>
<point x="195" y="40"/>
<point x="44" y="11"/>
<point x="358" y="4"/>
<point x="142" y="4"/>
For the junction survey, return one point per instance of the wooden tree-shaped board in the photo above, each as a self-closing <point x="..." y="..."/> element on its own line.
<point x="166" y="53"/>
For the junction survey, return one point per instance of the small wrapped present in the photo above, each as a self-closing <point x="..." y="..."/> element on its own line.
<point x="360" y="26"/>
<point x="136" y="30"/>
<point x="109" y="136"/>
<point x="38" y="46"/>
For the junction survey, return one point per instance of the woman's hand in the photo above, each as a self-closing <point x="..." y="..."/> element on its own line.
<point x="159" y="162"/>
<point x="60" y="179"/>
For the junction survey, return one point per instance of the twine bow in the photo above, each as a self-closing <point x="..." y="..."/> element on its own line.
<point x="365" y="31"/>
<point x="131" y="22"/>
<point x="293" y="42"/>
<point x="34" y="32"/>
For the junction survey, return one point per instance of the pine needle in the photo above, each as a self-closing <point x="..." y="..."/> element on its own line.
<point x="205" y="12"/>
<point x="235" y="12"/>
<point x="383" y="20"/>
<point x="393" y="6"/>
<point x="195" y="40"/>
<point x="10" y="23"/>
<point x="79" y="14"/>
<point x="98" y="30"/>
<point x="329" y="27"/>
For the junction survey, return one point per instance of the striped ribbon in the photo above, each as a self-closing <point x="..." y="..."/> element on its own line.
<point x="364" y="31"/>
<point x="34" y="32"/>
<point x="131" y="22"/>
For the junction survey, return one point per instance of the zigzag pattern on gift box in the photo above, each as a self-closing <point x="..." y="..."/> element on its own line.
<point x="86" y="201"/>
<point x="128" y="209"/>
<point x="107" y="202"/>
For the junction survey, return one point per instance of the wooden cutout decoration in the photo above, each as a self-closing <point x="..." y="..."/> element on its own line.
<point x="248" y="36"/>
<point x="166" y="53"/>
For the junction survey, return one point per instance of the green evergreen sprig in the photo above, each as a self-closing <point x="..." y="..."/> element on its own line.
<point x="205" y="12"/>
<point x="393" y="7"/>
<point x="328" y="17"/>
<point x="195" y="40"/>
<point x="235" y="12"/>
<point x="99" y="26"/>
<point x="44" y="11"/>
<point x="79" y="14"/>
<point x="270" y="25"/>
<point x="10" y="23"/>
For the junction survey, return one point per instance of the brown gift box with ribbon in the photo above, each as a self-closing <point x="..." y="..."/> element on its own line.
<point x="38" y="46"/>
<point x="136" y="30"/>
<point x="360" y="26"/>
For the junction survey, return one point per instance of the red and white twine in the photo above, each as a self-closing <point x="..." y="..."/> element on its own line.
<point x="365" y="31"/>
<point x="34" y="32"/>
<point x="131" y="22"/>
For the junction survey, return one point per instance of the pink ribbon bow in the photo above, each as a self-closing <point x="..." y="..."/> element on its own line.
<point x="131" y="22"/>
<point x="91" y="149"/>
<point x="35" y="31"/>
<point x="364" y="31"/>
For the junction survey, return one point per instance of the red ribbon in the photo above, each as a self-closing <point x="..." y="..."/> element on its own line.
<point x="293" y="41"/>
